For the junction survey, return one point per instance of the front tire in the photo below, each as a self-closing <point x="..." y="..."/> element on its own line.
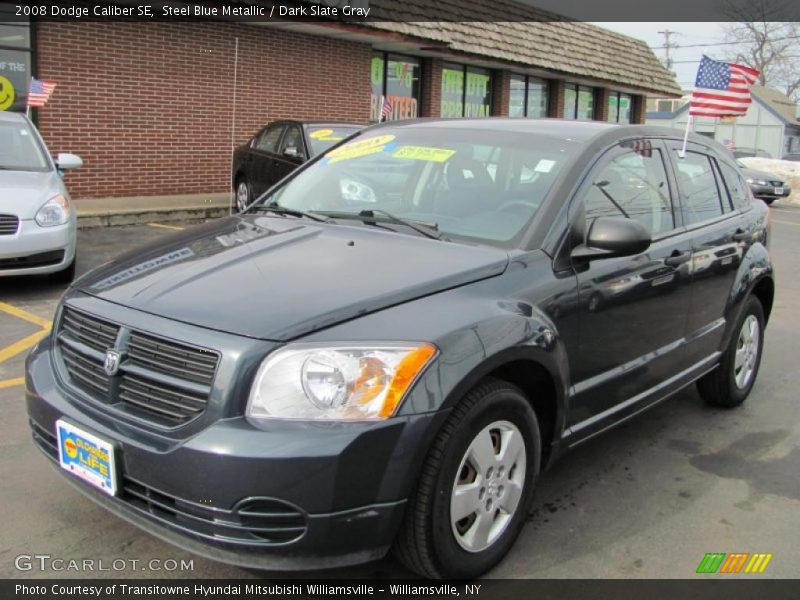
<point x="242" y="195"/>
<point x="476" y="486"/>
<point x="730" y="383"/>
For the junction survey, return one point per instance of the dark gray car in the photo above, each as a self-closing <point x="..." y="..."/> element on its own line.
<point x="361" y="362"/>
<point x="765" y="186"/>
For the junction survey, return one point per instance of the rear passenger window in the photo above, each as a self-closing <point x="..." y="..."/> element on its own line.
<point x="268" y="142"/>
<point x="633" y="185"/>
<point x="699" y="188"/>
<point x="737" y="188"/>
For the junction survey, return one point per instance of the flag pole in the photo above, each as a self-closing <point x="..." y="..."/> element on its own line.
<point x="682" y="153"/>
<point x="380" y="114"/>
<point x="233" y="121"/>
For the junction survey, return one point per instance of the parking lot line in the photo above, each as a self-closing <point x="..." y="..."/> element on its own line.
<point x="22" y="345"/>
<point x="785" y="222"/>
<point x="25" y="315"/>
<point x="7" y="383"/>
<point x="166" y="226"/>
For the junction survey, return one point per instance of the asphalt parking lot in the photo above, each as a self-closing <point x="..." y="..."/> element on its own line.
<point x="648" y="500"/>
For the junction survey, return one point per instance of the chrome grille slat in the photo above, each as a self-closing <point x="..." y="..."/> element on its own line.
<point x="161" y="380"/>
<point x="9" y="224"/>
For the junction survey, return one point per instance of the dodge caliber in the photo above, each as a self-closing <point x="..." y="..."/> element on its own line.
<point x="385" y="350"/>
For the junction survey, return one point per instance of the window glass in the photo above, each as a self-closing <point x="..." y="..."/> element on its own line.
<point x="452" y="91"/>
<point x="698" y="186"/>
<point x="322" y="137"/>
<point x="472" y="183"/>
<point x="633" y="185"/>
<point x="19" y="148"/>
<point x="396" y="78"/>
<point x="613" y="107"/>
<point x="737" y="188"/>
<point x="479" y="93"/>
<point x="16" y="35"/>
<point x="268" y="142"/>
<point x="14" y="78"/>
<point x="537" y="98"/>
<point x="585" y="110"/>
<point x="293" y="139"/>
<point x="625" y="105"/>
<point x="516" y="96"/>
<point x="466" y="92"/>
<point x="570" y="101"/>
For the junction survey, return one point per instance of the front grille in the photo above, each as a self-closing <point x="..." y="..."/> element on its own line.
<point x="8" y="224"/>
<point x="777" y="183"/>
<point x="161" y="380"/>
<point x="254" y="521"/>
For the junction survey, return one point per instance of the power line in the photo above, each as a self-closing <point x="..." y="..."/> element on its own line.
<point x="665" y="47"/>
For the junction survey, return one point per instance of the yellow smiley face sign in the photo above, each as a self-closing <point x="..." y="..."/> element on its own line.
<point x="6" y="93"/>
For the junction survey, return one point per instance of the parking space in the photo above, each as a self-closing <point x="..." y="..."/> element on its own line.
<point x="649" y="501"/>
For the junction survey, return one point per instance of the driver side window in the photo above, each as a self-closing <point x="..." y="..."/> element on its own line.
<point x="633" y="185"/>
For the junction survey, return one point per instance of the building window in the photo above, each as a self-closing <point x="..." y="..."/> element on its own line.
<point x="619" y="107"/>
<point x="528" y="97"/>
<point x="15" y="65"/>
<point x="398" y="79"/>
<point x="466" y="91"/>
<point x="578" y="102"/>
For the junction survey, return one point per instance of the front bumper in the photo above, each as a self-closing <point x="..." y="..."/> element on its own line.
<point x="36" y="250"/>
<point x="768" y="191"/>
<point x="291" y="496"/>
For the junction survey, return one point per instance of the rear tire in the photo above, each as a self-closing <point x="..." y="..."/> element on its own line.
<point x="483" y="463"/>
<point x="730" y="383"/>
<point x="242" y="194"/>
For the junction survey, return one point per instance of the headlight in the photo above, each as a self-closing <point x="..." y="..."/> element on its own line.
<point x="54" y="212"/>
<point x="758" y="181"/>
<point x="339" y="383"/>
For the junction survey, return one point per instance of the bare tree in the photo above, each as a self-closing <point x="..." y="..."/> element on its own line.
<point x="759" y="40"/>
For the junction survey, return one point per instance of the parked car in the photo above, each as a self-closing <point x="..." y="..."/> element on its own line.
<point x="277" y="150"/>
<point x="397" y="370"/>
<point x="742" y="152"/>
<point x="37" y="219"/>
<point x="765" y="186"/>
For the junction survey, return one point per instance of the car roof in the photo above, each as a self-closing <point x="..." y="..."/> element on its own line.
<point x="12" y="116"/>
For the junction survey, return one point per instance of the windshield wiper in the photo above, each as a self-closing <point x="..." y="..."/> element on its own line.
<point x="282" y="210"/>
<point x="377" y="215"/>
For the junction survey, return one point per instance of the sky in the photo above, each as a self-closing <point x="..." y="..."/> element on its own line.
<point x="692" y="39"/>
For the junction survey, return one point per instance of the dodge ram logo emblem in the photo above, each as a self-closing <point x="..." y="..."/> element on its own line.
<point x="111" y="364"/>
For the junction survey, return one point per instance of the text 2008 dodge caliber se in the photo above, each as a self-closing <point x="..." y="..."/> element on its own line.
<point x="385" y="350"/>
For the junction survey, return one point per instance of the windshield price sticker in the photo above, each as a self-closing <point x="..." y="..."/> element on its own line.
<point x="424" y="153"/>
<point x="360" y="148"/>
<point x="324" y="135"/>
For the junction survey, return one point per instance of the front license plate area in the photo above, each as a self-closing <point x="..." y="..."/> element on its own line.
<point x="778" y="191"/>
<point x="87" y="456"/>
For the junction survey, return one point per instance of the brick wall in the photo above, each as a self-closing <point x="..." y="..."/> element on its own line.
<point x="149" y="108"/>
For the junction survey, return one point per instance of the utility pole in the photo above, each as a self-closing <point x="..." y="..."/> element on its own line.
<point x="668" y="45"/>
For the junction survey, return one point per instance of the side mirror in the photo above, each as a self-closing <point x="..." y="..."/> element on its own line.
<point x="65" y="161"/>
<point x="613" y="236"/>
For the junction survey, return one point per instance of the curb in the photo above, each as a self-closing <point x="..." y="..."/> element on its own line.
<point x="89" y="220"/>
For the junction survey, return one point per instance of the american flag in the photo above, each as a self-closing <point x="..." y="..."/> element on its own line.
<point x="386" y="109"/>
<point x="39" y="92"/>
<point x="721" y="89"/>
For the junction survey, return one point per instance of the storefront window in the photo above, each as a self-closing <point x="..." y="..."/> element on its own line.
<point x="396" y="78"/>
<point x="578" y="102"/>
<point x="619" y="107"/>
<point x="528" y="97"/>
<point x="15" y="65"/>
<point x="466" y="91"/>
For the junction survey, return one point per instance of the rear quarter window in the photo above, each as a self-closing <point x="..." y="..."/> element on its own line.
<point x="736" y="186"/>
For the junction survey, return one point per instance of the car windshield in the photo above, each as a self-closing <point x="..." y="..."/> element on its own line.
<point x="470" y="183"/>
<point x="19" y="148"/>
<point x="322" y="137"/>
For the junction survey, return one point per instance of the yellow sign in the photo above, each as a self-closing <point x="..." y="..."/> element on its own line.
<point x="320" y="134"/>
<point x="359" y="148"/>
<point x="424" y="153"/>
<point x="6" y="93"/>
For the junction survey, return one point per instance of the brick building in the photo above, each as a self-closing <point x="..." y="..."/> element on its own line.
<point x="153" y="108"/>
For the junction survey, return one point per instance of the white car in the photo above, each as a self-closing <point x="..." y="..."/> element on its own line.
<point x="37" y="219"/>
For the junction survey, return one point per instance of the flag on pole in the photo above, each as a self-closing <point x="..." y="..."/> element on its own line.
<point x="39" y="92"/>
<point x="721" y="89"/>
<point x="386" y="108"/>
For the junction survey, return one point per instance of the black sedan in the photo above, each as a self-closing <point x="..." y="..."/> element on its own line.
<point x="765" y="186"/>
<point x="277" y="150"/>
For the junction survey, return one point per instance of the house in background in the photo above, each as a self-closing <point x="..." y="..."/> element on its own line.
<point x="771" y="123"/>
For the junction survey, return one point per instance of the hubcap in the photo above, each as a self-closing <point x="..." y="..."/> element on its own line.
<point x="746" y="357"/>
<point x="241" y="196"/>
<point x="488" y="486"/>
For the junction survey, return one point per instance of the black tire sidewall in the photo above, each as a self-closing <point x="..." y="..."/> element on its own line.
<point x="738" y="395"/>
<point x="498" y="405"/>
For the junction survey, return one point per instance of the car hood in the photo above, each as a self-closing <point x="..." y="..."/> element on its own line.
<point x="22" y="193"/>
<point x="753" y="174"/>
<point x="278" y="278"/>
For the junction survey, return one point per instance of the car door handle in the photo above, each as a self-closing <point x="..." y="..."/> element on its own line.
<point x="677" y="258"/>
<point x="742" y="236"/>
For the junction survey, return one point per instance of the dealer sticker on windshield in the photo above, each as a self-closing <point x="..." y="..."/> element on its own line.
<point x="86" y="456"/>
<point x="359" y="148"/>
<point x="424" y="153"/>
